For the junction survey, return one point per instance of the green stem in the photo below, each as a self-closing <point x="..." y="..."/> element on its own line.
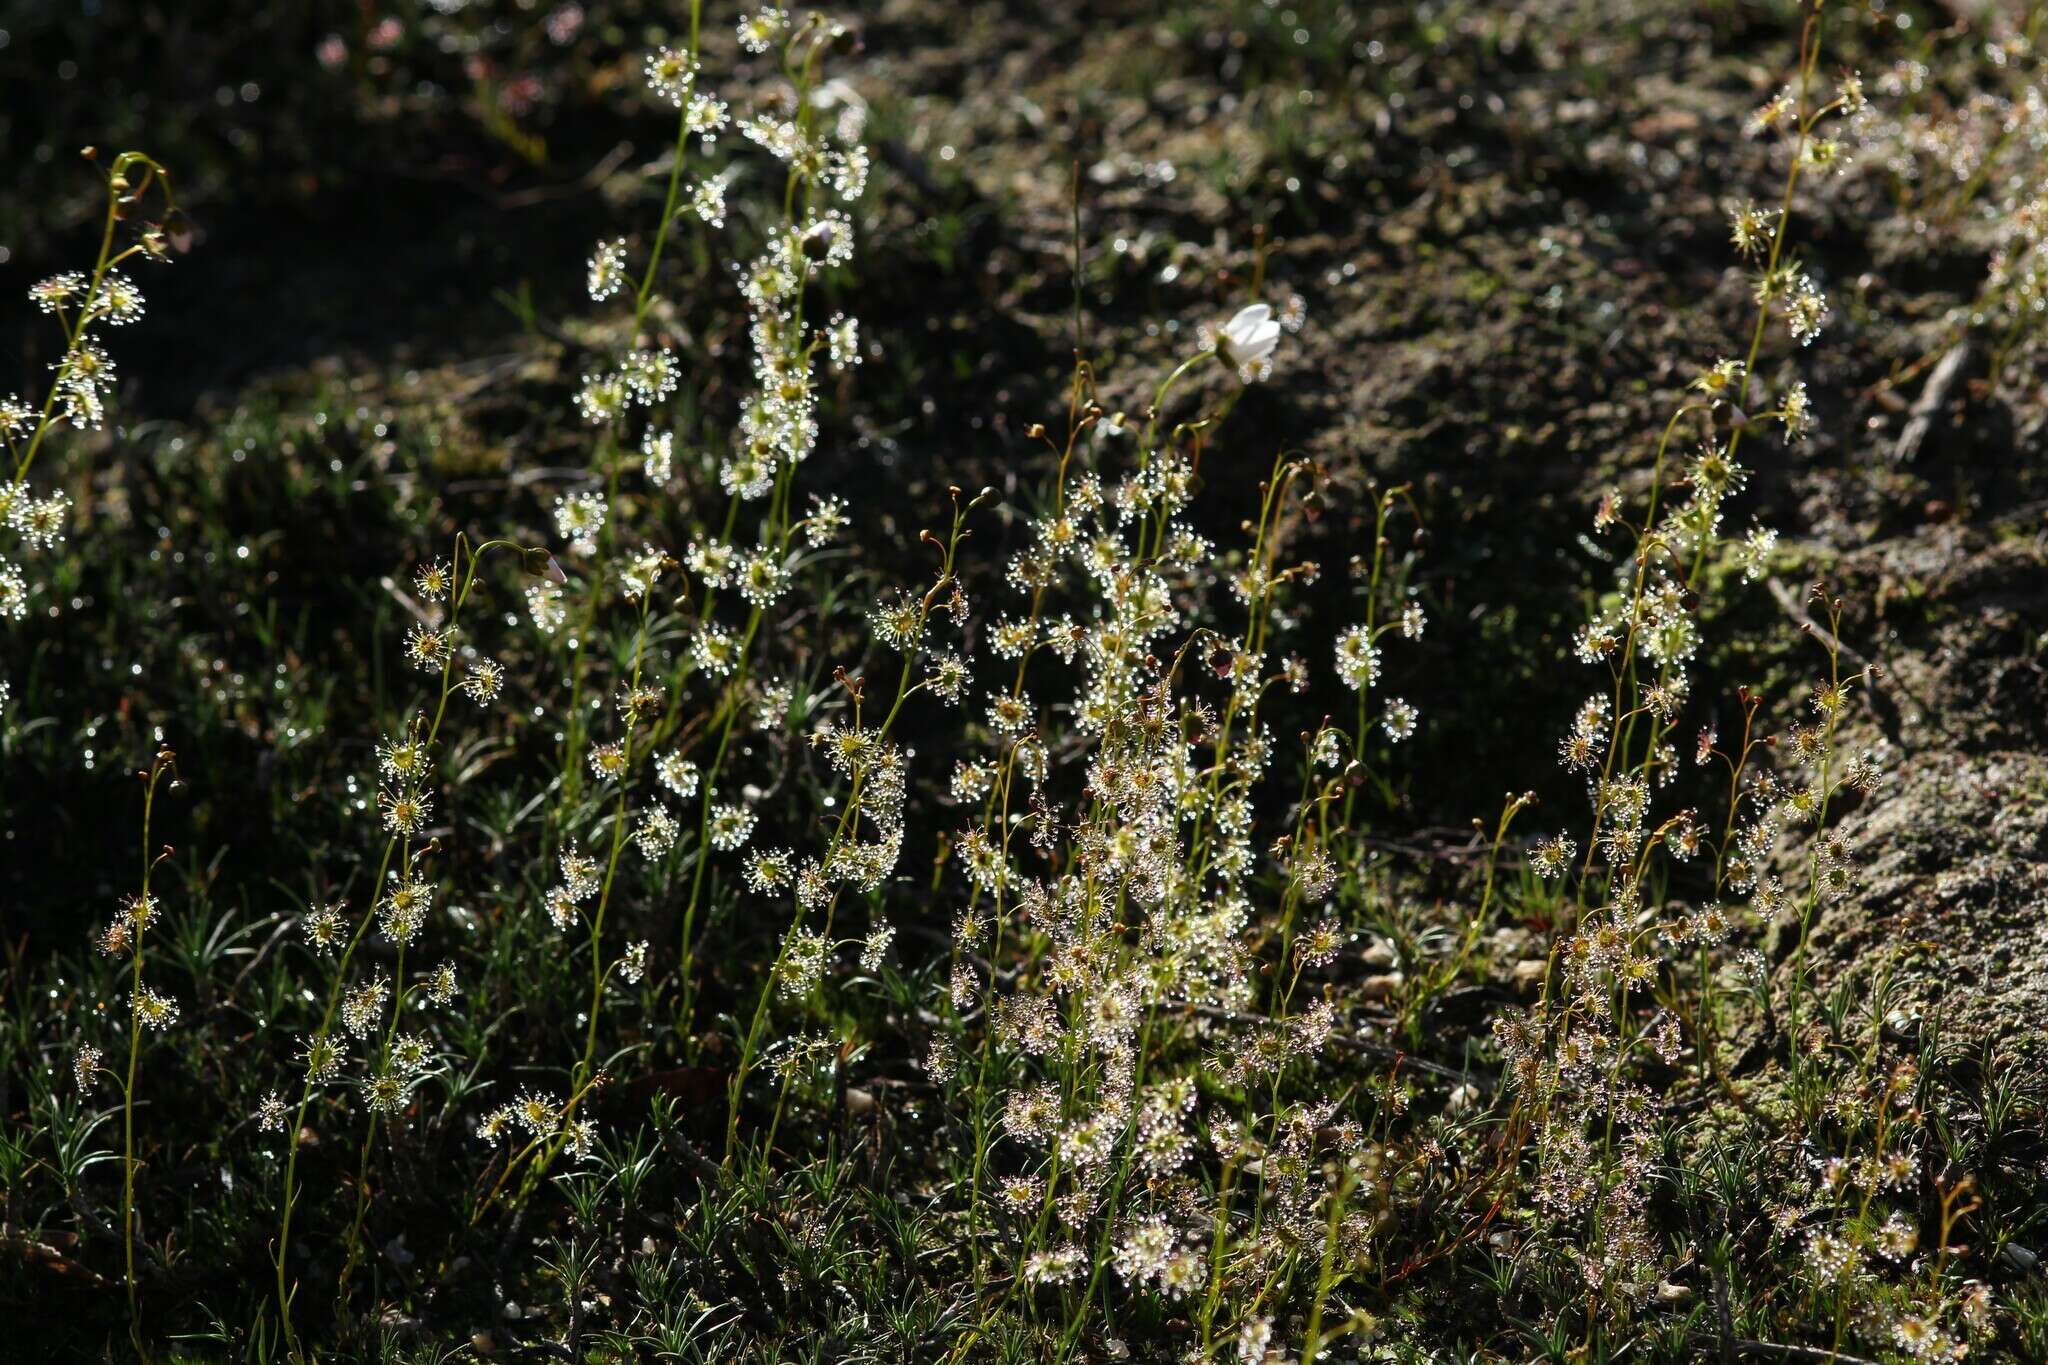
<point x="142" y="920"/>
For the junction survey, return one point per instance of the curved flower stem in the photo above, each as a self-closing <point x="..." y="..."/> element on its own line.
<point x="118" y="195"/>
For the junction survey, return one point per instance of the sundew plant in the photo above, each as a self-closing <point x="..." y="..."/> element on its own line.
<point x="1252" y="684"/>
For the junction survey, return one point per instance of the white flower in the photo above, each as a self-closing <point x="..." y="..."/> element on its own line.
<point x="707" y="201"/>
<point x="678" y="774"/>
<point x="1252" y="335"/>
<point x="672" y="75"/>
<point x="658" y="457"/>
<point x="762" y="29"/>
<point x="544" y="601"/>
<point x="656" y="834"/>
<point x="607" y="271"/>
<point x="13" y="592"/>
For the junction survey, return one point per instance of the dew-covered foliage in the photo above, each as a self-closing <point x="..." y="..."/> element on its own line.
<point x="1227" y="681"/>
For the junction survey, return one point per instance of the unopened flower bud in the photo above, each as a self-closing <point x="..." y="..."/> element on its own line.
<point x="817" y="240"/>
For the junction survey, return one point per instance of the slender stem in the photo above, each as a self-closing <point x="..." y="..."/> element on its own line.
<point x="143" y="915"/>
